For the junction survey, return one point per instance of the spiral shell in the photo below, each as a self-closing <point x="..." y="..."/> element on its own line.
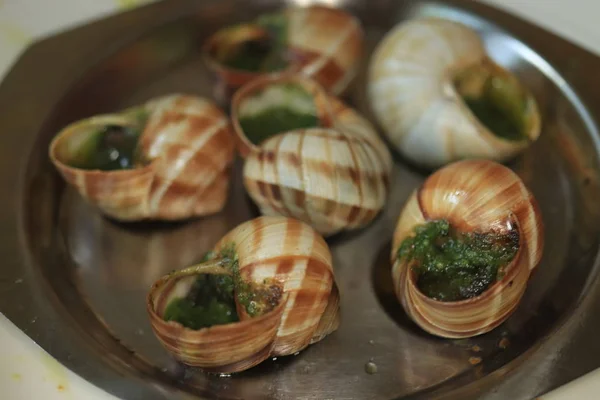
<point x="187" y="151"/>
<point x="281" y="249"/>
<point x="320" y="42"/>
<point x="420" y="76"/>
<point x="334" y="176"/>
<point x="473" y="196"/>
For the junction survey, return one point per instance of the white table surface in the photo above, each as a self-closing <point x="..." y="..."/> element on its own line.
<point x="27" y="371"/>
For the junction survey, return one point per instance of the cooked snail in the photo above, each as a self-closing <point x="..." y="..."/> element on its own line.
<point x="167" y="159"/>
<point x="319" y="42"/>
<point x="308" y="155"/>
<point x="440" y="98"/>
<point x="464" y="248"/>
<point x="266" y="290"/>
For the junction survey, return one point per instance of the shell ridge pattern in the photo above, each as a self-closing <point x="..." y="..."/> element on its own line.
<point x="310" y="324"/>
<point x="160" y="109"/>
<point x="367" y="175"/>
<point x="502" y="193"/>
<point x="375" y="164"/>
<point x="445" y="50"/>
<point x="319" y="62"/>
<point x="361" y="134"/>
<point x="263" y="181"/>
<point x="414" y="139"/>
<point x="356" y="167"/>
<point x="331" y="216"/>
<point x="278" y="176"/>
<point x="305" y="179"/>
<point x="291" y="288"/>
<point x="183" y="159"/>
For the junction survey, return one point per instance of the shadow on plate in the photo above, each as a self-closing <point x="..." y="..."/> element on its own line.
<point x="381" y="279"/>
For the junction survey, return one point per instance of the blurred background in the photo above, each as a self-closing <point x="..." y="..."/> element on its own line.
<point x="24" y="21"/>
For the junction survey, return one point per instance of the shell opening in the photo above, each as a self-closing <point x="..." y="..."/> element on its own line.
<point x="448" y="265"/>
<point x="111" y="148"/>
<point x="214" y="293"/>
<point x="277" y="108"/>
<point x="105" y="143"/>
<point x="260" y="46"/>
<point x="499" y="101"/>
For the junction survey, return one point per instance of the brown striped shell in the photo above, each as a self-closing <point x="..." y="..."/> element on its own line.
<point x="473" y="196"/>
<point x="280" y="249"/>
<point x="187" y="148"/>
<point x="322" y="43"/>
<point x="334" y="177"/>
<point x="419" y="77"/>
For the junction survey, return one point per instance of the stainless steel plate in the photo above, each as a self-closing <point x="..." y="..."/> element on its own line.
<point x="75" y="282"/>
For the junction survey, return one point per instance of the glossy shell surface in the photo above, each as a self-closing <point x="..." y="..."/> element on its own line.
<point x="188" y="146"/>
<point x="289" y="253"/>
<point x="413" y="95"/>
<point x="473" y="196"/>
<point x="334" y="177"/>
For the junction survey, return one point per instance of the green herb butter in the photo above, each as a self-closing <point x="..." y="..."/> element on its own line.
<point x="256" y="298"/>
<point x="276" y="109"/>
<point x="108" y="149"/>
<point x="209" y="302"/>
<point x="452" y="266"/>
<point x="495" y="119"/>
<point x="501" y="107"/>
<point x="276" y="120"/>
<point x="266" y="54"/>
<point x="211" y="299"/>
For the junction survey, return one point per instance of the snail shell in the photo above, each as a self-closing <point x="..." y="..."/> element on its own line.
<point x="284" y="250"/>
<point x="472" y="195"/>
<point x="334" y="176"/>
<point x="320" y="42"/>
<point x="420" y="77"/>
<point x="186" y="150"/>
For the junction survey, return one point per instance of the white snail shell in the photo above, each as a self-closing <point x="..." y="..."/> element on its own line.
<point x="472" y="195"/>
<point x="415" y="95"/>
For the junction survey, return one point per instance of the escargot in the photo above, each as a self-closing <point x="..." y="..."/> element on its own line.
<point x="440" y="98"/>
<point x="267" y="289"/>
<point x="319" y="42"/>
<point x="464" y="248"/>
<point x="168" y="159"/>
<point x="308" y="155"/>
